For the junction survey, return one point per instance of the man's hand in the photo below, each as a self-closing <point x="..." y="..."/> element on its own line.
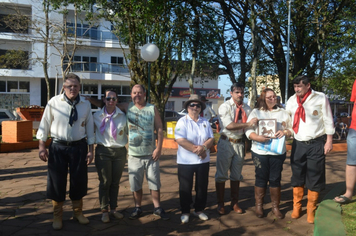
<point x="43" y="154"/>
<point x="262" y="139"/>
<point x="328" y="147"/>
<point x="253" y="122"/>
<point x="89" y="158"/>
<point x="156" y="154"/>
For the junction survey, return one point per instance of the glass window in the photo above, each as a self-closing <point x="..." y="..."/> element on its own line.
<point x="12" y="86"/>
<point x="126" y="90"/>
<point x="2" y="86"/>
<point x="90" y="89"/>
<point x="117" y="88"/>
<point x="24" y="86"/>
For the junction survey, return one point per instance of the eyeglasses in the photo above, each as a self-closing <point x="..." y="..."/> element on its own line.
<point x="111" y="98"/>
<point x="195" y="105"/>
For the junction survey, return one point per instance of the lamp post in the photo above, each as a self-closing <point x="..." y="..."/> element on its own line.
<point x="149" y="53"/>
<point x="288" y="48"/>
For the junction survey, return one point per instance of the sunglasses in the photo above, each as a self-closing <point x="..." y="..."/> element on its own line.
<point x="195" y="105"/>
<point x="111" y="98"/>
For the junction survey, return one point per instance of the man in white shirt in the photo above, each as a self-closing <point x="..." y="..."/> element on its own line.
<point x="208" y="112"/>
<point x="313" y="131"/>
<point x="231" y="148"/>
<point x="67" y="117"/>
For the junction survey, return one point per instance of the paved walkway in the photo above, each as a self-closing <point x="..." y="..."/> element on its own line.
<point x="24" y="210"/>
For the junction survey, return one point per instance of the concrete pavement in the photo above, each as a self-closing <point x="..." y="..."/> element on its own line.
<point x="24" y="209"/>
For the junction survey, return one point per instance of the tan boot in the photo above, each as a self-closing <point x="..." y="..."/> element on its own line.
<point x="78" y="213"/>
<point x="298" y="193"/>
<point x="235" y="187"/>
<point x="57" y="215"/>
<point x="311" y="206"/>
<point x="276" y="198"/>
<point x="259" y="195"/>
<point x="220" y="192"/>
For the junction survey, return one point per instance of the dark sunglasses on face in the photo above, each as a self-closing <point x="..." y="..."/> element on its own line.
<point x="195" y="105"/>
<point x="111" y="98"/>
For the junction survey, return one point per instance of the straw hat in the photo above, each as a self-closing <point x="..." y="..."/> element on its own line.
<point x="194" y="98"/>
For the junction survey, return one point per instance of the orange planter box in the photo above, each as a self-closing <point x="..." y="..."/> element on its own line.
<point x="15" y="131"/>
<point x="34" y="114"/>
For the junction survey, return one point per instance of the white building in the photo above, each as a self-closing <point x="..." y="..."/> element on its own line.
<point x="98" y="61"/>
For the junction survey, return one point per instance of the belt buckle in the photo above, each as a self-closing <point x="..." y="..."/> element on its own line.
<point x="308" y="142"/>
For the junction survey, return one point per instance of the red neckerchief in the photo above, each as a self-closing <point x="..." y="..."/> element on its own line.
<point x="300" y="112"/>
<point x="243" y="113"/>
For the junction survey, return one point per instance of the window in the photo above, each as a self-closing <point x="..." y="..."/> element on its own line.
<point x="14" y="59"/>
<point x="117" y="60"/>
<point x="170" y="106"/>
<point x="14" y="23"/>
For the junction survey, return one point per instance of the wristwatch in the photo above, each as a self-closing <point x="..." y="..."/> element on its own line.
<point x="205" y="148"/>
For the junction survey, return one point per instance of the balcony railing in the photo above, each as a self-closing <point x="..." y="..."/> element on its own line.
<point x="92" y="33"/>
<point x="94" y="67"/>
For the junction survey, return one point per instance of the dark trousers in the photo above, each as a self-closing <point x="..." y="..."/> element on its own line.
<point x="308" y="165"/>
<point x="109" y="162"/>
<point x="185" y="177"/>
<point x="61" y="159"/>
<point x="268" y="168"/>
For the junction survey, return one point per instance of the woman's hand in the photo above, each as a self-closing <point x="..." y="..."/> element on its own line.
<point x="199" y="150"/>
<point x="262" y="139"/>
<point x="280" y="134"/>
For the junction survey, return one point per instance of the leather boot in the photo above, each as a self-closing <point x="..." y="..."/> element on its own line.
<point x="259" y="195"/>
<point x="298" y="193"/>
<point x="311" y="206"/>
<point x="57" y="215"/>
<point x="220" y="191"/>
<point x="78" y="212"/>
<point x="235" y="186"/>
<point x="276" y="198"/>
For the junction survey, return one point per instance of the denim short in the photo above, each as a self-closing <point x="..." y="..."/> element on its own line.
<point x="351" y="148"/>
<point x="137" y="166"/>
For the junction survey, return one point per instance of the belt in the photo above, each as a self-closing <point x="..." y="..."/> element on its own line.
<point x="224" y="137"/>
<point x="318" y="139"/>
<point x="69" y="143"/>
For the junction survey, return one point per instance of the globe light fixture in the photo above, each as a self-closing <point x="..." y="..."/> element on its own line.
<point x="149" y="53"/>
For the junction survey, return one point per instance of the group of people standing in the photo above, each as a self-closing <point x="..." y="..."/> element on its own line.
<point x="68" y="119"/>
<point x="74" y="130"/>
<point x="307" y="117"/>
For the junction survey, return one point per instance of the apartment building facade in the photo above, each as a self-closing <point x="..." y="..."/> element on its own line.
<point x="98" y="60"/>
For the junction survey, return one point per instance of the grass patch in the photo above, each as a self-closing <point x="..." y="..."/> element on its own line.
<point x="348" y="217"/>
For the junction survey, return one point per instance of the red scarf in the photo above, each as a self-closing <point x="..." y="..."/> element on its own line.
<point x="300" y="112"/>
<point x="243" y="113"/>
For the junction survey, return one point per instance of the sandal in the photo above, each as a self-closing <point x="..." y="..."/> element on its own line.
<point x="343" y="200"/>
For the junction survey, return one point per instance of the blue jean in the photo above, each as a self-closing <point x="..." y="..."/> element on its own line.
<point x="268" y="168"/>
<point x="110" y="163"/>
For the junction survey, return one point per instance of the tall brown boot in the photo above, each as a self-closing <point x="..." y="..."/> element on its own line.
<point x="220" y="191"/>
<point x="259" y="195"/>
<point x="57" y="215"/>
<point x="276" y="198"/>
<point x="298" y="193"/>
<point x="78" y="212"/>
<point x="235" y="187"/>
<point x="311" y="206"/>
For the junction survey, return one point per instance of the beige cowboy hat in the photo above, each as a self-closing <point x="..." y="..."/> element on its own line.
<point x="194" y="98"/>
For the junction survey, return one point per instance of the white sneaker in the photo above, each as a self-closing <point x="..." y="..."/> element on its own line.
<point x="201" y="215"/>
<point x="105" y="218"/>
<point x="116" y="214"/>
<point x="184" y="218"/>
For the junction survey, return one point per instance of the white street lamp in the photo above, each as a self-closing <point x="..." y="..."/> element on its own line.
<point x="288" y="49"/>
<point x="149" y="53"/>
